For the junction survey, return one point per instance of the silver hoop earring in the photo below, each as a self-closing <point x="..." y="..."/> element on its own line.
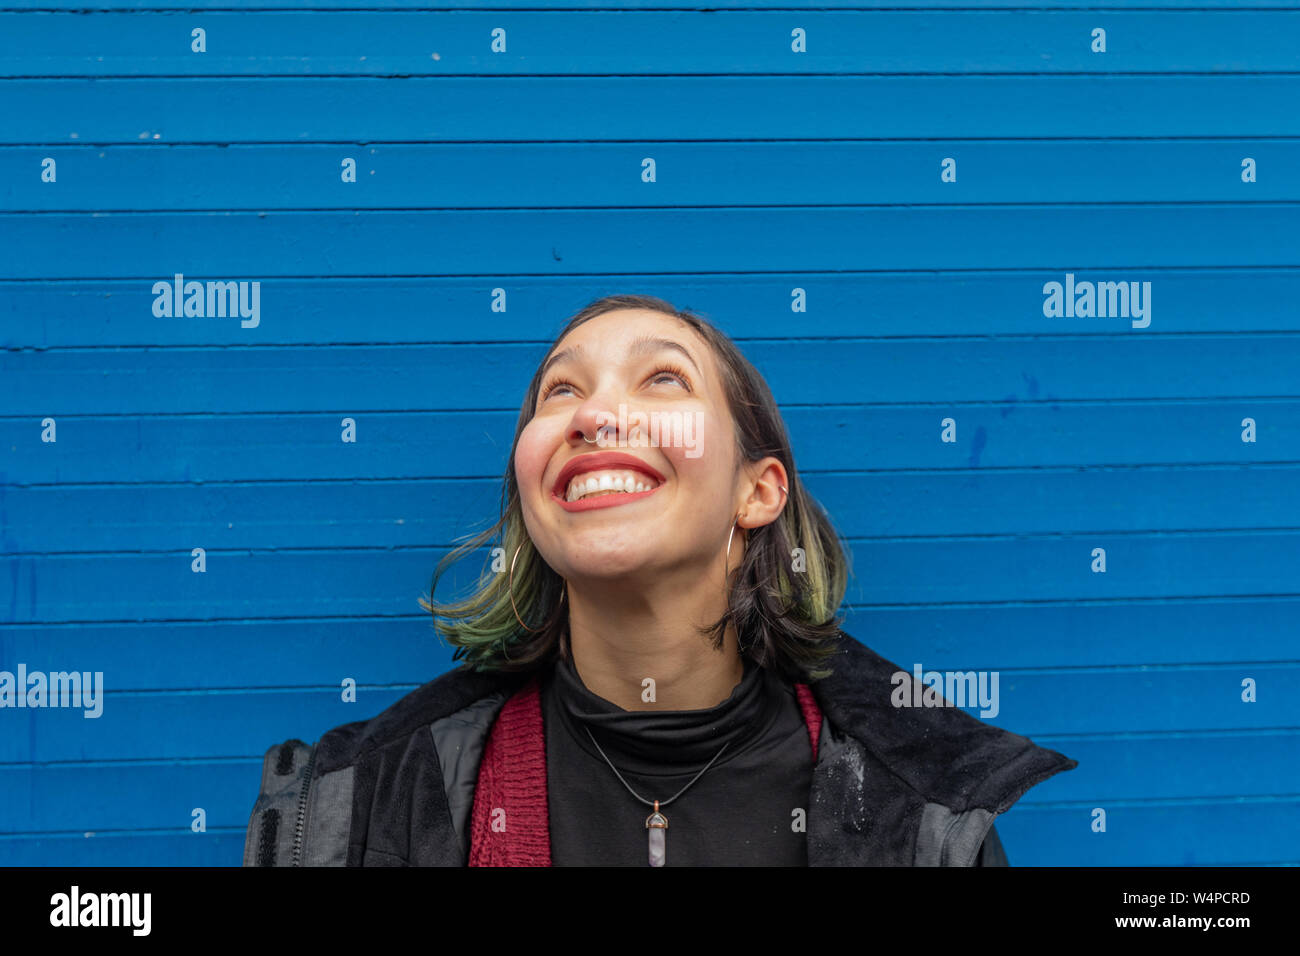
<point x="726" y="573"/>
<point x="510" y="590"/>
<point x="727" y="559"/>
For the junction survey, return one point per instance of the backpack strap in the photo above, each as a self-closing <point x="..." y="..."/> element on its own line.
<point x="301" y="818"/>
<point x="274" y="823"/>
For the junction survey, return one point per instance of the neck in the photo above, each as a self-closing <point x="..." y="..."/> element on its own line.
<point x="619" y="639"/>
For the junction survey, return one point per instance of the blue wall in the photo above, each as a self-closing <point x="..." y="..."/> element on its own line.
<point x="800" y="200"/>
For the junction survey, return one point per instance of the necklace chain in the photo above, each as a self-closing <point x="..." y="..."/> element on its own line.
<point x="662" y="803"/>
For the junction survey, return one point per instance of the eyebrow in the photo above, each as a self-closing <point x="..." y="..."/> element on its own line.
<point x="641" y="346"/>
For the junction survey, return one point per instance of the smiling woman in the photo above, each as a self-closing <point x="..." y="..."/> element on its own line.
<point x="643" y="573"/>
<point x="663" y="628"/>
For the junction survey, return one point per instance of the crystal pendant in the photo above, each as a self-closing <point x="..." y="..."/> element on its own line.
<point x="657" y="826"/>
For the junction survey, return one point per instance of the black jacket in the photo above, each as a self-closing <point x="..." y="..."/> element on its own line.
<point x="891" y="785"/>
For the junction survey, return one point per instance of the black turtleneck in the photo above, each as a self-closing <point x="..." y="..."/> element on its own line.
<point x="749" y="808"/>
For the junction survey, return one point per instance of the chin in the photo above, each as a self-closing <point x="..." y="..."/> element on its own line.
<point x="595" y="563"/>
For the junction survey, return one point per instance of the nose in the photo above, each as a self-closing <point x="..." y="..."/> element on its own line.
<point x="593" y="424"/>
<point x="593" y="434"/>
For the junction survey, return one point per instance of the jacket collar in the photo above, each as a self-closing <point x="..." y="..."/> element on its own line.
<point x="885" y="772"/>
<point x="880" y="769"/>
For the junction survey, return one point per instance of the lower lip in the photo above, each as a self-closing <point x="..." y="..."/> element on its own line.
<point x="603" y="501"/>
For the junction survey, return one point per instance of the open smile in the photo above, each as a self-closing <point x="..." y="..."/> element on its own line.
<point x="604" y="480"/>
<point x="608" y="499"/>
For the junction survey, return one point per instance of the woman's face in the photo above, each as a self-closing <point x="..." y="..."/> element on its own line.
<point x="617" y="371"/>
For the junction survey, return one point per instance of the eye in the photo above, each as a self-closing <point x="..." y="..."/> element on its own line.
<point x="552" y="385"/>
<point x="557" y="384"/>
<point x="674" y="371"/>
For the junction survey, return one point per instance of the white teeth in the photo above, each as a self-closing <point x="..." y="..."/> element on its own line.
<point x="606" y="483"/>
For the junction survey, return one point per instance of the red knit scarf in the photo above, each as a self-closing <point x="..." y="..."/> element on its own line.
<point x="509" y="825"/>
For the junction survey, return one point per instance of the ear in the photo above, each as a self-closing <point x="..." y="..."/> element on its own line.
<point x="765" y="486"/>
